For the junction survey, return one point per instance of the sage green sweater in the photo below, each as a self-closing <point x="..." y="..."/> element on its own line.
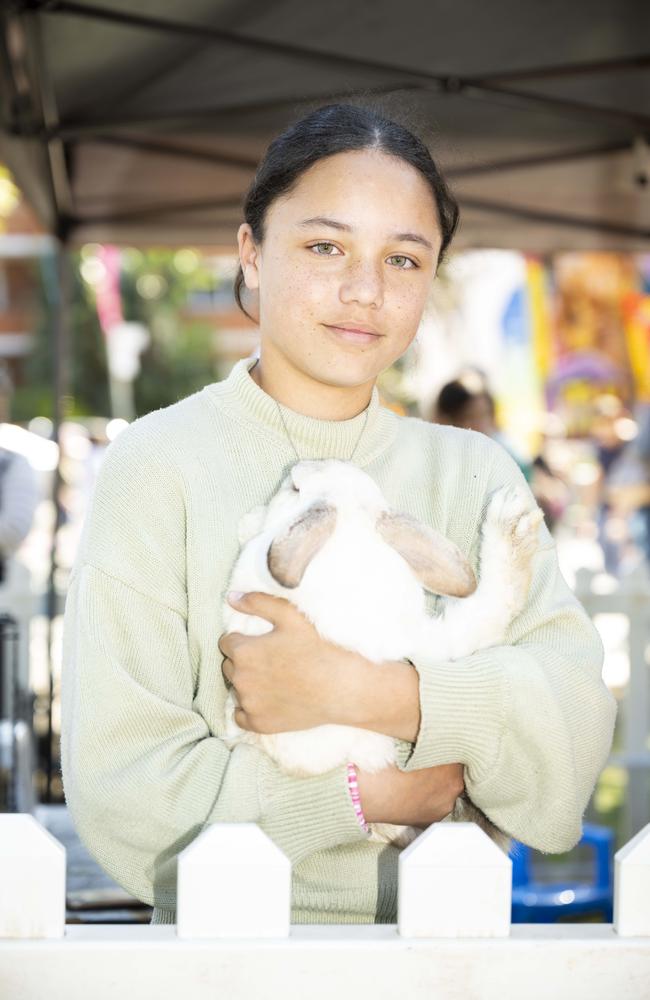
<point x="143" y="765"/>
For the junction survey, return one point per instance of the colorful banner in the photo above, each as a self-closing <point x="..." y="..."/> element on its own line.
<point x="636" y="317"/>
<point x="593" y="358"/>
<point x="107" y="289"/>
<point x="526" y="356"/>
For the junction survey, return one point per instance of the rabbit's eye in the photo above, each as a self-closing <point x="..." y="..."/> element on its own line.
<point x="295" y="488"/>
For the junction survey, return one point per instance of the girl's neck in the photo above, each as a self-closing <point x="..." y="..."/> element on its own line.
<point x="307" y="396"/>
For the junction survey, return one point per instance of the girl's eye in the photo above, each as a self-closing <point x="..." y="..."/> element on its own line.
<point x="315" y="245"/>
<point x="407" y="266"/>
<point x="405" y="263"/>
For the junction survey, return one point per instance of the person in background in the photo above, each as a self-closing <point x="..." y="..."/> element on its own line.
<point x="467" y="402"/>
<point x="18" y="486"/>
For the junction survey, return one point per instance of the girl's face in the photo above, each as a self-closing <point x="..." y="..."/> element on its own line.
<point x="355" y="244"/>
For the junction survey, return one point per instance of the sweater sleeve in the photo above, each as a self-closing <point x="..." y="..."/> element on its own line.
<point x="142" y="773"/>
<point x="531" y="720"/>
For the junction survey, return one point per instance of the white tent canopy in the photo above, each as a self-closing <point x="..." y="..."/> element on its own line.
<point x="142" y="121"/>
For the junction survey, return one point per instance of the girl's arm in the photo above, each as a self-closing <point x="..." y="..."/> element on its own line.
<point x="142" y="774"/>
<point x="392" y="707"/>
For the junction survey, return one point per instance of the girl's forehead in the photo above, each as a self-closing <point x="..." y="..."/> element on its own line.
<point x="356" y="188"/>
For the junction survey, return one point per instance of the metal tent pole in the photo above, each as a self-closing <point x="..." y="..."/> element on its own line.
<point x="61" y="381"/>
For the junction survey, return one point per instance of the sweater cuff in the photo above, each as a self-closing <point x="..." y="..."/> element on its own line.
<point x="300" y="815"/>
<point x="463" y="708"/>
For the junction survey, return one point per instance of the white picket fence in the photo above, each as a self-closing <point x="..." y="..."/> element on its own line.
<point x="233" y="938"/>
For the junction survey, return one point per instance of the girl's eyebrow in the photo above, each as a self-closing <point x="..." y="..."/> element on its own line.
<point x="321" y="220"/>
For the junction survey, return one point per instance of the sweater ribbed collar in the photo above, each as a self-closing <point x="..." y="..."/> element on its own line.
<point x="313" y="437"/>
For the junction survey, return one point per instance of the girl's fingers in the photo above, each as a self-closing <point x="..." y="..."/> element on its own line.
<point x="229" y="641"/>
<point x="226" y="668"/>
<point x="276" y="610"/>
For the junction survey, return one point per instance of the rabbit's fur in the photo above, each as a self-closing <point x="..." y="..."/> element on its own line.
<point x="329" y="543"/>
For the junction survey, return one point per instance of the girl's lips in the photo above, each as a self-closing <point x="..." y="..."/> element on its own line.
<point x="353" y="336"/>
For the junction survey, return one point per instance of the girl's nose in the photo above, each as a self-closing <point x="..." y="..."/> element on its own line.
<point x="363" y="283"/>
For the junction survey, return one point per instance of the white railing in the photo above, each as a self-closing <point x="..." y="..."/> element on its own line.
<point x="233" y="938"/>
<point x="629" y="597"/>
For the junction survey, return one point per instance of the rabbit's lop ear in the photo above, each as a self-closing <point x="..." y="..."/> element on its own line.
<point x="439" y="565"/>
<point x="291" y="551"/>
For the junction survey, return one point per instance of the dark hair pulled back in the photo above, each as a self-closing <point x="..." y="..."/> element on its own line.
<point x="338" y="128"/>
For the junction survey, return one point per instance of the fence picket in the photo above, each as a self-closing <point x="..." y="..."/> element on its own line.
<point x="632" y="886"/>
<point x="454" y="882"/>
<point x="233" y="882"/>
<point x="32" y="879"/>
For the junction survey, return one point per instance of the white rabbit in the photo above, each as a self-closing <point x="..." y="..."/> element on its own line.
<point x="329" y="543"/>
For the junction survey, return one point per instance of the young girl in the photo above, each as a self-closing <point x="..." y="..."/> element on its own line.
<point x="346" y="222"/>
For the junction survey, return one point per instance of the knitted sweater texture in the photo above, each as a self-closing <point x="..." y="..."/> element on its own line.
<point x="144" y="767"/>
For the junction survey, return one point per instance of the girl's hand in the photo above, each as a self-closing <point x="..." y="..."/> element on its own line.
<point x="290" y="678"/>
<point x="412" y="798"/>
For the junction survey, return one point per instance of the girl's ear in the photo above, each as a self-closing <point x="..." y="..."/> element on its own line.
<point x="248" y="256"/>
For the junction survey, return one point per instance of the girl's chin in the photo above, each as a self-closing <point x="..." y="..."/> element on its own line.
<point x="343" y="378"/>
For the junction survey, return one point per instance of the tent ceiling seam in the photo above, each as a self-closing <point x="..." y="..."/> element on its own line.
<point x="452" y="83"/>
<point x="552" y="218"/>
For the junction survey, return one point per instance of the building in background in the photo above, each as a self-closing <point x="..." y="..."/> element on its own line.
<point x="22" y="242"/>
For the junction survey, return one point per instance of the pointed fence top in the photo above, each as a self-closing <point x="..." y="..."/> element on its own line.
<point x="637" y="850"/>
<point x="235" y="844"/>
<point x="463" y="845"/>
<point x="23" y="836"/>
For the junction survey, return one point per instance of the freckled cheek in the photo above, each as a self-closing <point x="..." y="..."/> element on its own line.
<point x="309" y="294"/>
<point x="406" y="307"/>
<point x="284" y="287"/>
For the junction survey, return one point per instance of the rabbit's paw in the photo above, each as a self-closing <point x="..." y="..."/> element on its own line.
<point x="510" y="517"/>
<point x="510" y="538"/>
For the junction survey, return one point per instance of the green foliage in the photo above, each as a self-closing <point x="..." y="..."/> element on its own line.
<point x="179" y="360"/>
